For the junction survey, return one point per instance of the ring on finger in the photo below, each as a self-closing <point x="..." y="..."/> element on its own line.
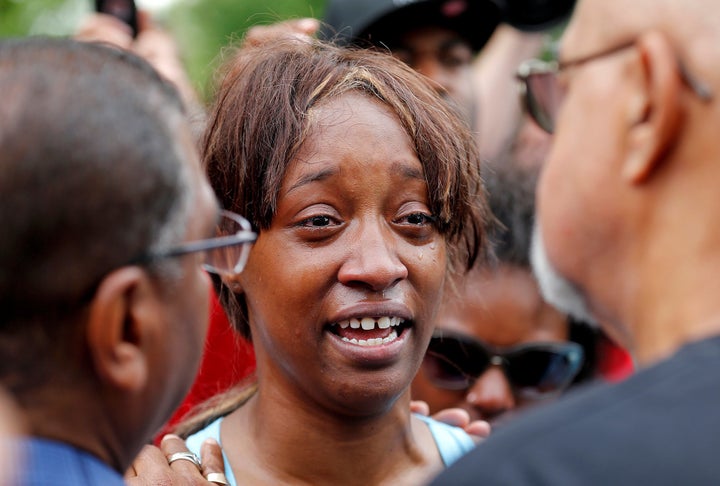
<point x="217" y="478"/>
<point x="185" y="456"/>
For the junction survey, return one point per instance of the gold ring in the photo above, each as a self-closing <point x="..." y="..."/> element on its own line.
<point x="185" y="456"/>
<point x="217" y="478"/>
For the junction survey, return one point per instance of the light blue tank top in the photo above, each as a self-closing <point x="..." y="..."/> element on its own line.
<point x="452" y="442"/>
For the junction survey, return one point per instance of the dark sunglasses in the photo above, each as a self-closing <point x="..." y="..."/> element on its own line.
<point x="454" y="361"/>
<point x="542" y="95"/>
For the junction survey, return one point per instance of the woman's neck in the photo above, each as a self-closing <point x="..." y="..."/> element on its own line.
<point x="275" y="439"/>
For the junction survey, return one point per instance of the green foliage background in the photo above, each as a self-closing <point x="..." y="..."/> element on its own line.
<point x="201" y="27"/>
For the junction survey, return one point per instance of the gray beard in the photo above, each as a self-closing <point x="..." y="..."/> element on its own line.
<point x="556" y="289"/>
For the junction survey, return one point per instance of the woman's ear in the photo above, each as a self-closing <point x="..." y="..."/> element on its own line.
<point x="121" y="315"/>
<point x="658" y="111"/>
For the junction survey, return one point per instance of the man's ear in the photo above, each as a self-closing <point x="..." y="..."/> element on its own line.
<point x="121" y="315"/>
<point x="658" y="113"/>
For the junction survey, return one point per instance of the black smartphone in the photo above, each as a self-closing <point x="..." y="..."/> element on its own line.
<point x="124" y="10"/>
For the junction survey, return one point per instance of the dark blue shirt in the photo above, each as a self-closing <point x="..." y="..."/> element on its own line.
<point x="45" y="462"/>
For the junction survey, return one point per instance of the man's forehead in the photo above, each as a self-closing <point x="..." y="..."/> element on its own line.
<point x="597" y="24"/>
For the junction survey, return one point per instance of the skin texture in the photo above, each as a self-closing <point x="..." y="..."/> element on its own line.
<point x="353" y="226"/>
<point x="152" y="44"/>
<point x="151" y="466"/>
<point x="187" y="300"/>
<point x="143" y="336"/>
<point x="501" y="308"/>
<point x="11" y="426"/>
<point x="654" y="156"/>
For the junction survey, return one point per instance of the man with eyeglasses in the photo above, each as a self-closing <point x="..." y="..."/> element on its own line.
<point x="627" y="234"/>
<point x="499" y="348"/>
<point x="109" y="227"/>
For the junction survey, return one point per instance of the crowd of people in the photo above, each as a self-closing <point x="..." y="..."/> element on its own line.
<point x="419" y="281"/>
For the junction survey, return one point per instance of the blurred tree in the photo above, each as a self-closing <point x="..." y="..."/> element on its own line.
<point x="201" y="27"/>
<point x="204" y="27"/>
<point x="49" y="17"/>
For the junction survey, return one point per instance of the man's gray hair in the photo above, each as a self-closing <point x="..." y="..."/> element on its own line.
<point x="94" y="170"/>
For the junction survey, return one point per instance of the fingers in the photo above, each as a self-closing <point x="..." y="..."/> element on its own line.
<point x="453" y="416"/>
<point x="419" y="407"/>
<point x="152" y="43"/>
<point x="300" y="29"/>
<point x="144" y="20"/>
<point x="171" y="445"/>
<point x="477" y="429"/>
<point x="151" y="467"/>
<point x="212" y="459"/>
<point x="105" y="28"/>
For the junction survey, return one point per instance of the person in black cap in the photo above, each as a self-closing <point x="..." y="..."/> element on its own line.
<point x="442" y="38"/>
<point x="438" y="38"/>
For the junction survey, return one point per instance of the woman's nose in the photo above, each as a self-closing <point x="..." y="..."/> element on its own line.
<point x="372" y="258"/>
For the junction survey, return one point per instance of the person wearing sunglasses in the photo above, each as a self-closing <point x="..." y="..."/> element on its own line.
<point x="109" y="228"/>
<point x="468" y="49"/>
<point x="627" y="235"/>
<point x="499" y="347"/>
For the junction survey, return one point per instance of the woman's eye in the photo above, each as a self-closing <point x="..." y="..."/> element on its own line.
<point x="319" y="221"/>
<point x="419" y="219"/>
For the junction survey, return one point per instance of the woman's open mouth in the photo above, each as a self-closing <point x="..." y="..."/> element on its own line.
<point x="369" y="331"/>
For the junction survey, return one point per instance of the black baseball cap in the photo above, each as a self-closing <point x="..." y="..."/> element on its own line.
<point x="535" y="15"/>
<point x="381" y="22"/>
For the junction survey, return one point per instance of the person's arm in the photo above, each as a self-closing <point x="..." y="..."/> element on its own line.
<point x="499" y="110"/>
<point x="152" y="43"/>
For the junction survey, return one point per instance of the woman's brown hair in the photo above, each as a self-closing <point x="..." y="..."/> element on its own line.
<point x="260" y="120"/>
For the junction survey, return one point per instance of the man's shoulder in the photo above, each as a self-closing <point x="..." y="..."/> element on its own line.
<point x="51" y="462"/>
<point x="619" y="432"/>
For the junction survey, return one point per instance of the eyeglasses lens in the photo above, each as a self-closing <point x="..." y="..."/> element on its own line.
<point x="453" y="364"/>
<point x="543" y="99"/>
<point x="539" y="372"/>
<point x="534" y="370"/>
<point x="228" y="259"/>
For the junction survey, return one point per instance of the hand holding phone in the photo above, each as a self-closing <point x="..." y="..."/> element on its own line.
<point x="124" y="10"/>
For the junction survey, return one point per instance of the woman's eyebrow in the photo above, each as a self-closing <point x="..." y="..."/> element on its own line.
<point x="319" y="175"/>
<point x="409" y="171"/>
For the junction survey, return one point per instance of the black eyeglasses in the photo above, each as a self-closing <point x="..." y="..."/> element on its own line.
<point x="225" y="254"/>
<point x="454" y="361"/>
<point x="541" y="95"/>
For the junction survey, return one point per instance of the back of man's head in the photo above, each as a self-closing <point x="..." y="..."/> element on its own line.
<point x="91" y="176"/>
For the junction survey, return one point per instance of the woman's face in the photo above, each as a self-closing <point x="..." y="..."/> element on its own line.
<point x="501" y="308"/>
<point x="342" y="288"/>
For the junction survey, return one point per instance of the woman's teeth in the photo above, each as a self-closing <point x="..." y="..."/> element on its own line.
<point x="352" y="330"/>
<point x="368" y="323"/>
<point x="372" y="342"/>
